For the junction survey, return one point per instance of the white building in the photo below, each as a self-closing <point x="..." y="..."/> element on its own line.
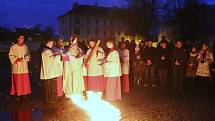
<point x="93" y="22"/>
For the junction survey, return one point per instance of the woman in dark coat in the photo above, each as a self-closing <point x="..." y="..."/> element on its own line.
<point x="191" y="68"/>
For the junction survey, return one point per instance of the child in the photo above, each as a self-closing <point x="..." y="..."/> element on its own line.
<point x="124" y="57"/>
<point x="191" y="69"/>
<point x="112" y="73"/>
<point x="138" y="65"/>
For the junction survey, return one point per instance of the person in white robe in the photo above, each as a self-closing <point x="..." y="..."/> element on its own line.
<point x="19" y="57"/>
<point x="124" y="57"/>
<point x="112" y="73"/>
<point x="49" y="72"/>
<point x="73" y="81"/>
<point x="95" y="69"/>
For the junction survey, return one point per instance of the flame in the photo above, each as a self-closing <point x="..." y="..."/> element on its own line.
<point x="96" y="108"/>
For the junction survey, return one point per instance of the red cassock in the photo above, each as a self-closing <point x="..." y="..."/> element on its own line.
<point x="22" y="115"/>
<point x="59" y="65"/>
<point x="95" y="71"/>
<point x="60" y="86"/>
<point x="20" y="76"/>
<point x="124" y="56"/>
<point x="112" y="76"/>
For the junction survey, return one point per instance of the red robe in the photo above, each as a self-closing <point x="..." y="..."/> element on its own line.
<point x="112" y="76"/>
<point x="95" y="71"/>
<point x="124" y="57"/>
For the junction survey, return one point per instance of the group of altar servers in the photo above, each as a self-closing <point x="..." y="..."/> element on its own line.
<point x="69" y="71"/>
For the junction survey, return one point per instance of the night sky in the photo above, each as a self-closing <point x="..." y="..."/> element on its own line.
<point x="17" y="13"/>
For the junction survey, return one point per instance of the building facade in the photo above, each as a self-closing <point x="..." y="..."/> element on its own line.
<point x="93" y="22"/>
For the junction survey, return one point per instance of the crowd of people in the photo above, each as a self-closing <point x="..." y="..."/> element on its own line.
<point x="106" y="71"/>
<point x="178" y="67"/>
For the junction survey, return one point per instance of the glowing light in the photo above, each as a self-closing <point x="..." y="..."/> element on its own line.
<point x="96" y="108"/>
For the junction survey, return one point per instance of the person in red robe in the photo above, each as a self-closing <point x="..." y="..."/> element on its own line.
<point x="19" y="57"/>
<point x="112" y="73"/>
<point x="22" y="115"/>
<point x="124" y="58"/>
<point x="95" y="70"/>
<point x="58" y="49"/>
<point x="49" y="72"/>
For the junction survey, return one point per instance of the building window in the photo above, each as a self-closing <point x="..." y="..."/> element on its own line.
<point x="119" y="23"/>
<point x="119" y="33"/>
<point x="88" y="31"/>
<point x="77" y="20"/>
<point x="97" y="22"/>
<point x="105" y="22"/>
<point x="76" y="31"/>
<point x="97" y="32"/>
<point x="105" y="33"/>
<point x="88" y="21"/>
<point x="111" y="23"/>
<point x="112" y="32"/>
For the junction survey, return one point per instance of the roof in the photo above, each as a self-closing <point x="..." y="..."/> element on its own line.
<point x="96" y="11"/>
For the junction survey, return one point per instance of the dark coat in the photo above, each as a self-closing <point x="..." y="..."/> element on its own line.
<point x="180" y="55"/>
<point x="191" y="70"/>
<point x="163" y="64"/>
<point x="149" y="53"/>
<point x="138" y="64"/>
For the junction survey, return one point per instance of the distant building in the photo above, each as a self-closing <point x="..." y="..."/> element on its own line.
<point x="169" y="30"/>
<point x="93" y="22"/>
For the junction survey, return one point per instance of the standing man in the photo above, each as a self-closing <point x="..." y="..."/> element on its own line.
<point x="149" y="58"/>
<point x="58" y="49"/>
<point x="124" y="57"/>
<point x="178" y="62"/>
<point x="163" y="61"/>
<point x="19" y="57"/>
<point x="49" y="72"/>
<point x="73" y="81"/>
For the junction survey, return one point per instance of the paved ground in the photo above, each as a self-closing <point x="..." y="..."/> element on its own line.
<point x="142" y="104"/>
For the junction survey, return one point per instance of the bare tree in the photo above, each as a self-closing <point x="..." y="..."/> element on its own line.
<point x="190" y="16"/>
<point x="143" y="16"/>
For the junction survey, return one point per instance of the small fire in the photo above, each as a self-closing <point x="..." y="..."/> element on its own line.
<point x="96" y="108"/>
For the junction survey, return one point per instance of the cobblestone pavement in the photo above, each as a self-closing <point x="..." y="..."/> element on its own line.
<point x="142" y="104"/>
